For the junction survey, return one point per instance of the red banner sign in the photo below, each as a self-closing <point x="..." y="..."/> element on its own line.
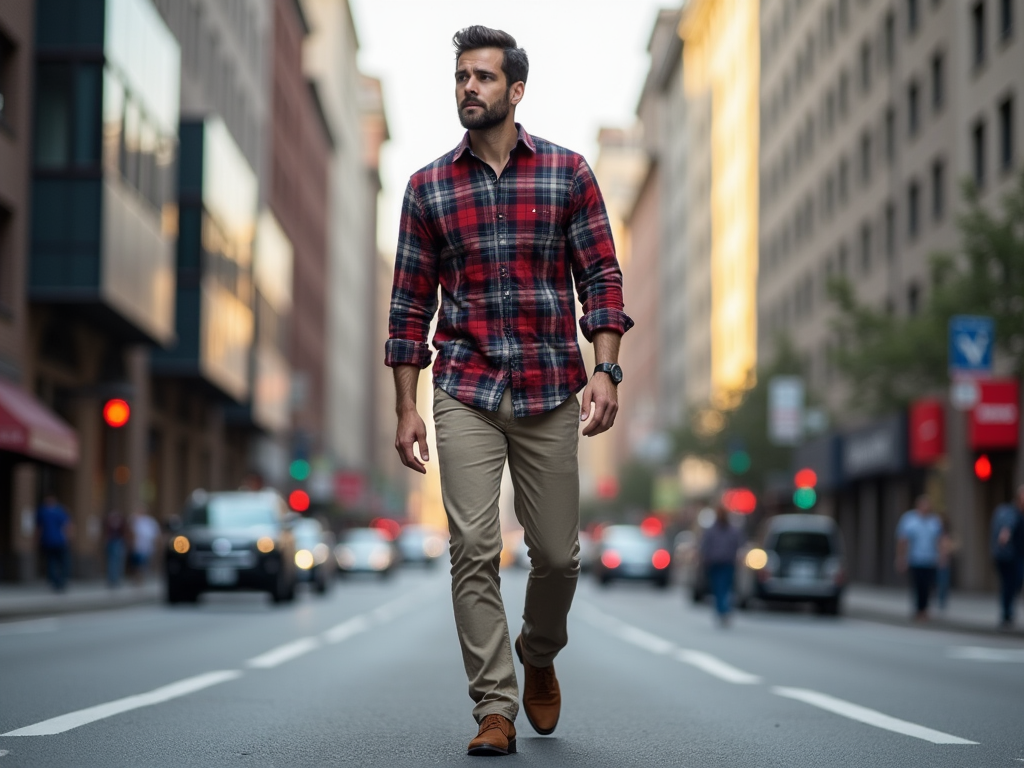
<point x="995" y="420"/>
<point x="927" y="432"/>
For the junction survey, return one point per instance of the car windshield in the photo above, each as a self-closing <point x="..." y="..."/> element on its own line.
<point x="623" y="534"/>
<point x="242" y="511"/>
<point x="363" y="536"/>
<point x="803" y="543"/>
<point x="307" y="533"/>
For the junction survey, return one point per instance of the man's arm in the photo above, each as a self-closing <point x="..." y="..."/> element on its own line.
<point x="411" y="429"/>
<point x="601" y="395"/>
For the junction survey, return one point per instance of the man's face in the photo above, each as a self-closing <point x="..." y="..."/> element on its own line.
<point x="482" y="96"/>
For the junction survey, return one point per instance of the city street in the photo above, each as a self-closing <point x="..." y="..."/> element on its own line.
<point x="371" y="676"/>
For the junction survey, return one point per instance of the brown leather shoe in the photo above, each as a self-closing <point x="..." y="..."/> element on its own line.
<point x="542" y="698"/>
<point x="497" y="736"/>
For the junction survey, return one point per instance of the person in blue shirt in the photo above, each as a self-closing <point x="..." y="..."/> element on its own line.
<point x="918" y="536"/>
<point x="1007" y="546"/>
<point x="718" y="547"/>
<point x="53" y="525"/>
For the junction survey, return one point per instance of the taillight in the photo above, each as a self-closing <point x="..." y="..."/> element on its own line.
<point x="661" y="559"/>
<point x="611" y="559"/>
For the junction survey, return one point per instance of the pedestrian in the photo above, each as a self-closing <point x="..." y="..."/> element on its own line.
<point x="115" y="530"/>
<point x="144" y="534"/>
<point x="718" y="547"/>
<point x="53" y="528"/>
<point x="948" y="546"/>
<point x="918" y="534"/>
<point x="1007" y="544"/>
<point x="504" y="224"/>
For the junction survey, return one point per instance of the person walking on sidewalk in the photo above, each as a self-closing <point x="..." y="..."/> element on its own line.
<point x="718" y="548"/>
<point x="53" y="527"/>
<point x="1008" y="553"/>
<point x="115" y="529"/>
<point x="504" y="224"/>
<point x="145" y="531"/>
<point x="918" y="537"/>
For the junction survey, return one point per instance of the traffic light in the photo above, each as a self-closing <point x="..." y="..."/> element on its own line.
<point x="804" y="497"/>
<point x="116" y="412"/>
<point x="983" y="468"/>
<point x="739" y="462"/>
<point x="298" y="500"/>
<point x="299" y="470"/>
<point x="740" y="500"/>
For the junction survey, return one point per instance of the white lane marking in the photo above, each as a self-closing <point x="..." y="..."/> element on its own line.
<point x="346" y="629"/>
<point x="32" y="626"/>
<point x="71" y="720"/>
<point x="715" y="666"/>
<point x="705" y="662"/>
<point x="283" y="653"/>
<point x="868" y="716"/>
<point x="979" y="653"/>
<point x="4" y="752"/>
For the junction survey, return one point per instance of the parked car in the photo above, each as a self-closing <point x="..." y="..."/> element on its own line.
<point x="366" y="550"/>
<point x="421" y="544"/>
<point x="235" y="540"/>
<point x="800" y="559"/>
<point x="626" y="552"/>
<point x="314" y="554"/>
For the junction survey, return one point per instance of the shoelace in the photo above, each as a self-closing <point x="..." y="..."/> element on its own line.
<point x="493" y="721"/>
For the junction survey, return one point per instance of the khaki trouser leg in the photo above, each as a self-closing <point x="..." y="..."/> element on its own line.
<point x="472" y="447"/>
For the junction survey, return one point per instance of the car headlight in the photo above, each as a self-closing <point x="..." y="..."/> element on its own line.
<point x="320" y="553"/>
<point x="265" y="544"/>
<point x="304" y="559"/>
<point x="380" y="559"/>
<point x="181" y="544"/>
<point x="345" y="557"/>
<point x="433" y="546"/>
<point x="756" y="559"/>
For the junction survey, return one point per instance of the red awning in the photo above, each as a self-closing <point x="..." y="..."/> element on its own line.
<point x="29" y="427"/>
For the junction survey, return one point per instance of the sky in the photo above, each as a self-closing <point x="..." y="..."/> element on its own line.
<point x="588" y="61"/>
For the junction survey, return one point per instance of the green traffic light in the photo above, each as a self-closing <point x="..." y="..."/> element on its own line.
<point x="299" y="470"/>
<point x="804" y="498"/>
<point x="739" y="462"/>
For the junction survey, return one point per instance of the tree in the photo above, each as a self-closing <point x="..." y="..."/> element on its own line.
<point x="889" y="360"/>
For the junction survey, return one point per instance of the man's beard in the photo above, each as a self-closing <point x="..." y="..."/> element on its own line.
<point x="490" y="117"/>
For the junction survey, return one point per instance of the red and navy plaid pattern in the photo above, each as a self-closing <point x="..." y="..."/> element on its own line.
<point x="505" y="252"/>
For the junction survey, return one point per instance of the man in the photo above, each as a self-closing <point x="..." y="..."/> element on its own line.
<point x="718" y="548"/>
<point x="53" y="525"/>
<point x="145" y="532"/>
<point x="1008" y="553"/>
<point x="503" y="224"/>
<point x="917" y="550"/>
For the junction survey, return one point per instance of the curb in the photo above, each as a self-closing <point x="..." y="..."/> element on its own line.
<point x="934" y="624"/>
<point x="84" y="605"/>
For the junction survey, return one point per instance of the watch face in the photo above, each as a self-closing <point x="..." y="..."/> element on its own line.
<point x="616" y="373"/>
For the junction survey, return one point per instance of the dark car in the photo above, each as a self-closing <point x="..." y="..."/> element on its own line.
<point x="421" y="544"/>
<point x="314" y="555"/>
<point x="800" y="560"/>
<point x="236" y="540"/>
<point x="366" y="550"/>
<point x="626" y="552"/>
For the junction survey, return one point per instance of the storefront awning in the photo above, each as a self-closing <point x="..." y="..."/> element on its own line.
<point x="30" y="428"/>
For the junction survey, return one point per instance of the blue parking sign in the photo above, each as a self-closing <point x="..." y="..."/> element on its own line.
<point x="971" y="338"/>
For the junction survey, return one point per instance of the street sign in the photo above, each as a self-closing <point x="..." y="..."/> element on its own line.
<point x="963" y="394"/>
<point x="785" y="410"/>
<point x="971" y="338"/>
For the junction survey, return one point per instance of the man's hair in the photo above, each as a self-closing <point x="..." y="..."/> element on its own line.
<point x="515" y="65"/>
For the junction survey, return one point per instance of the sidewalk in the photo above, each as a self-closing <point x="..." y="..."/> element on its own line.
<point x="966" y="611"/>
<point x="37" y="599"/>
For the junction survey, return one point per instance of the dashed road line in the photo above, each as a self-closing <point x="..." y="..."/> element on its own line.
<point x="868" y="716"/>
<point x="979" y="653"/>
<point x="277" y="656"/>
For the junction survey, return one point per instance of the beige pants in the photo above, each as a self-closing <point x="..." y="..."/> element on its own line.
<point x="472" y="446"/>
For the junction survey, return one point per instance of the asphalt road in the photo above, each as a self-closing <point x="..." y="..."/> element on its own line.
<point x="372" y="676"/>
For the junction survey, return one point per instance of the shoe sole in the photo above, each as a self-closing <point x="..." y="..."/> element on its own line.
<point x="489" y="750"/>
<point x="541" y="731"/>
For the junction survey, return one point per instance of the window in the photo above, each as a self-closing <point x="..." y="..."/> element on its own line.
<point x="938" y="81"/>
<point x="830" y="111"/>
<point x="842" y="259"/>
<point x="913" y="210"/>
<point x="830" y="27"/>
<point x="865" y="248"/>
<point x="865" y="66"/>
<point x="1006" y="135"/>
<point x="890" y="134"/>
<point x="913" y="108"/>
<point x="67" y="126"/>
<point x="844" y="181"/>
<point x="865" y="158"/>
<point x="890" y="40"/>
<point x="913" y="298"/>
<point x="6" y="54"/>
<point x="913" y="17"/>
<point x="844" y="15"/>
<point x="978" y="33"/>
<point x="978" y="153"/>
<point x="890" y="231"/>
<point x="938" y="190"/>
<point x="844" y="94"/>
<point x="1005" y="19"/>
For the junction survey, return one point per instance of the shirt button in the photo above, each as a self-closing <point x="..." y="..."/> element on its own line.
<point x="501" y="215"/>
<point x="506" y="293"/>
<point x="501" y="242"/>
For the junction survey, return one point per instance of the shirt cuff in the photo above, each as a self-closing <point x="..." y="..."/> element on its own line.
<point x="605" y="320"/>
<point x="405" y="352"/>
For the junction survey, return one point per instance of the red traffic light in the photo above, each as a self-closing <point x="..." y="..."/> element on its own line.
<point x="805" y="478"/>
<point x="116" y="412"/>
<point x="983" y="468"/>
<point x="298" y="500"/>
<point x="387" y="526"/>
<point x="741" y="500"/>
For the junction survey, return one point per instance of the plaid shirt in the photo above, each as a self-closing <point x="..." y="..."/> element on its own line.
<point x="504" y="251"/>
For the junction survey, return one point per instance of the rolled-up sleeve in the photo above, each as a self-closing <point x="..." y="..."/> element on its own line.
<point x="592" y="252"/>
<point x="414" y="292"/>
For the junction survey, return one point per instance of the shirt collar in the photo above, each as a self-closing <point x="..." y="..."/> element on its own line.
<point x="524" y="138"/>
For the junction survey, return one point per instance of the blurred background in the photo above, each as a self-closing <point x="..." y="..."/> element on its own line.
<point x="817" y="205"/>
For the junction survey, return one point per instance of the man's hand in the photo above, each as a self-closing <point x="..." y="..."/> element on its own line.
<point x="412" y="430"/>
<point x="602" y="397"/>
<point x="1004" y="536"/>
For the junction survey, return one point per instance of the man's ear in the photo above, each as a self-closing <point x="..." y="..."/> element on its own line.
<point x="518" y="91"/>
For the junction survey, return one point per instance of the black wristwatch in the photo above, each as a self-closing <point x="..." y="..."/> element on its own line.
<point x="612" y="369"/>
